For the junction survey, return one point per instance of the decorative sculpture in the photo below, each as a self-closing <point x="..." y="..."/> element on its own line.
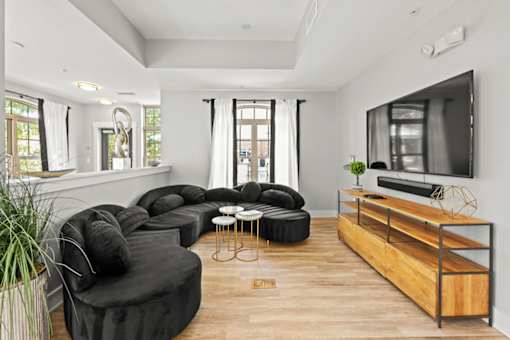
<point x="121" y="128"/>
<point x="454" y="200"/>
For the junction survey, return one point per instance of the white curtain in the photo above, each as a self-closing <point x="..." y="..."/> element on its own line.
<point x="285" y="158"/>
<point x="221" y="172"/>
<point x="56" y="135"/>
<point x="379" y="148"/>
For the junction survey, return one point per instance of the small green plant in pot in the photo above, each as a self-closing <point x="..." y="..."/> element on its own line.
<point x="357" y="169"/>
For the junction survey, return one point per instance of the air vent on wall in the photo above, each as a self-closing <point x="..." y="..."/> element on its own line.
<point x="311" y="15"/>
<point x="126" y="93"/>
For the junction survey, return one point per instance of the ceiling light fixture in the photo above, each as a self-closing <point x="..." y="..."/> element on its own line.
<point x="18" y="43"/>
<point x="105" y="101"/>
<point x="87" y="86"/>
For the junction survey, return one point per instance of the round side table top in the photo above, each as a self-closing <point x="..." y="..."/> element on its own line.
<point x="250" y="215"/>
<point x="224" y="220"/>
<point x="231" y="209"/>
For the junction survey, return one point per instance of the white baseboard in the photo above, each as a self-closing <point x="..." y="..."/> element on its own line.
<point x="502" y="322"/>
<point x="322" y="213"/>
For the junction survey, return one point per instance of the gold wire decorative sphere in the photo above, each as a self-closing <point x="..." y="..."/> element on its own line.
<point x="455" y="200"/>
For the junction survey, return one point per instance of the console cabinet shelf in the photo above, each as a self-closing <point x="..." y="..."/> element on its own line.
<point x="416" y="254"/>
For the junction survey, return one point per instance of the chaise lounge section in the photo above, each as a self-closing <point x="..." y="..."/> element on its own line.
<point x="154" y="300"/>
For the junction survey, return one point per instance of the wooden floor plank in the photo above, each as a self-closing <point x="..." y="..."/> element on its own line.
<point x="324" y="291"/>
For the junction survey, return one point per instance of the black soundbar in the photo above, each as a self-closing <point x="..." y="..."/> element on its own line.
<point x="405" y="185"/>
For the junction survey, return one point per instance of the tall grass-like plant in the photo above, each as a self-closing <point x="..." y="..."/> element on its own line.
<point x="24" y="224"/>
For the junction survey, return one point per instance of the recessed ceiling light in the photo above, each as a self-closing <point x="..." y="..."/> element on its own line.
<point x="18" y="43"/>
<point x="105" y="101"/>
<point x="246" y="27"/>
<point x="87" y="86"/>
<point x="414" y="11"/>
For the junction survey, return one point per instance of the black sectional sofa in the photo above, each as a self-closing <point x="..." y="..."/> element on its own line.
<point x="284" y="219"/>
<point x="130" y="276"/>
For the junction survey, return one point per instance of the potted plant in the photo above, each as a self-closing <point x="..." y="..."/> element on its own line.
<point x="24" y="225"/>
<point x="357" y="169"/>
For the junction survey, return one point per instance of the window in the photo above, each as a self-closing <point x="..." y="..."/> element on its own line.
<point x="152" y="136"/>
<point x="253" y="139"/>
<point x="22" y="140"/>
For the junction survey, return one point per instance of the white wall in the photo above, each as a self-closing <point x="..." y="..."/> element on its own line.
<point x="487" y="51"/>
<point x="186" y="136"/>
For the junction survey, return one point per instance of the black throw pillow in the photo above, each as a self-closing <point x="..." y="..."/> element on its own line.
<point x="223" y="195"/>
<point x="107" y="249"/>
<point x="132" y="218"/>
<point x="193" y="194"/>
<point x="251" y="191"/>
<point x="108" y="217"/>
<point x="278" y="198"/>
<point x="165" y="204"/>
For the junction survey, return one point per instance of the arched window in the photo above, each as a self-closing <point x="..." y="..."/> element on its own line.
<point x="253" y="141"/>
<point x="22" y="139"/>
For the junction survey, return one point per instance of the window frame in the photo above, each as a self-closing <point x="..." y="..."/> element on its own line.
<point x="253" y="173"/>
<point x="150" y="129"/>
<point x="11" y="146"/>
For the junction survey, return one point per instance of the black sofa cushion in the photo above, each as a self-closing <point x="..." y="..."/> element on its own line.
<point x="165" y="204"/>
<point x="107" y="248"/>
<point x="278" y="198"/>
<point x="193" y="194"/>
<point x="223" y="195"/>
<point x="131" y="219"/>
<point x="73" y="249"/>
<point x="186" y="225"/>
<point x="108" y="217"/>
<point x="250" y="192"/>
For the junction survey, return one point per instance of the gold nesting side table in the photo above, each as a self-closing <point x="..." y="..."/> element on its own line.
<point x="249" y="216"/>
<point x="222" y="223"/>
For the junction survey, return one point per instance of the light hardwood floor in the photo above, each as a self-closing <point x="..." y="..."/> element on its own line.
<point x="324" y="291"/>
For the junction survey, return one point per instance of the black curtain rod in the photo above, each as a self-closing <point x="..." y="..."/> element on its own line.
<point x="208" y="100"/>
<point x="21" y="95"/>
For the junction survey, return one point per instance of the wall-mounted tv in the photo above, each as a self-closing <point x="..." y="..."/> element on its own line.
<point x="428" y="132"/>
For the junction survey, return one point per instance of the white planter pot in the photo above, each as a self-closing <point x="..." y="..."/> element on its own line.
<point x="12" y="306"/>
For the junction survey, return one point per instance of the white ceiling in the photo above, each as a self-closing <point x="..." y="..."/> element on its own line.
<point x="215" y="19"/>
<point x="57" y="36"/>
<point x="348" y="37"/>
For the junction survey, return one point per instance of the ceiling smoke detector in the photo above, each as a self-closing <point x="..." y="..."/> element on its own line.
<point x="414" y="11"/>
<point x="246" y="27"/>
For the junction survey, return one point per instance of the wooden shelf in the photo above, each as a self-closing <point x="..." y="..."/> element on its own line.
<point x="416" y="229"/>
<point x="415" y="210"/>
<point x="414" y="248"/>
<point x="377" y="228"/>
<point x="451" y="263"/>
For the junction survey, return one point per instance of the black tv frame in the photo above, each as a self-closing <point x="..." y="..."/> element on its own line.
<point x="472" y="143"/>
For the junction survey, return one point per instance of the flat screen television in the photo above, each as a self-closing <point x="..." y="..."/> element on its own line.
<point x="428" y="132"/>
